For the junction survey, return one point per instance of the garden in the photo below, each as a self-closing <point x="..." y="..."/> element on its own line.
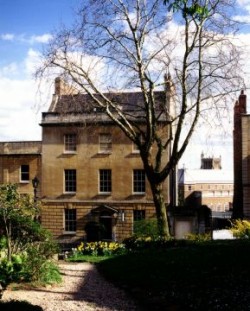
<point x="26" y="249"/>
<point x="192" y="274"/>
<point x="196" y="273"/>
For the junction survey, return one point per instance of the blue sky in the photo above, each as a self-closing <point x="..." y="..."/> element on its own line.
<point x="25" y="25"/>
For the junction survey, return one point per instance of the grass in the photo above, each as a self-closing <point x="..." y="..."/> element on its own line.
<point x="205" y="276"/>
<point x="88" y="258"/>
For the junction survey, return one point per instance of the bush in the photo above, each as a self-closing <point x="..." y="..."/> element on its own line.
<point x="241" y="229"/>
<point x="135" y="243"/>
<point x="10" y="271"/>
<point x="198" y="237"/>
<point x="32" y="264"/>
<point x="49" y="273"/>
<point x="38" y="266"/>
<point x="146" y="227"/>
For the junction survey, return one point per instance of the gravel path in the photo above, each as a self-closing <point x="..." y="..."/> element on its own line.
<point x="83" y="289"/>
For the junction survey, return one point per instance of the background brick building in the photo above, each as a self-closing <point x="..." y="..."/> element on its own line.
<point x="211" y="185"/>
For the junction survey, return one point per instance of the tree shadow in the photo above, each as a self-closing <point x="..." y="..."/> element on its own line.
<point x="94" y="289"/>
<point x="83" y="284"/>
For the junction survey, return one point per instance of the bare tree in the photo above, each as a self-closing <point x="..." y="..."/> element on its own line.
<point x="133" y="44"/>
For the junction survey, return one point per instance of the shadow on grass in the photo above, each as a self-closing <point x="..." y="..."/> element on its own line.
<point x="18" y="306"/>
<point x="206" y="276"/>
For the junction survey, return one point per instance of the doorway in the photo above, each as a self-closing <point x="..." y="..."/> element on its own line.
<point x="106" y="223"/>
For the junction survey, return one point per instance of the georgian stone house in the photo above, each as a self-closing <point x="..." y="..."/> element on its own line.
<point x="91" y="179"/>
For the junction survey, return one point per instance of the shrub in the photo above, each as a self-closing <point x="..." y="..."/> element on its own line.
<point x="135" y="243"/>
<point x="3" y="242"/>
<point x="200" y="237"/>
<point x="38" y="266"/>
<point x="146" y="227"/>
<point x="241" y="229"/>
<point x="11" y="270"/>
<point x="49" y="273"/>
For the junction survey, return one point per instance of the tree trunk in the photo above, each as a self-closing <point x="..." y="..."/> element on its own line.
<point x="161" y="209"/>
<point x="8" y="237"/>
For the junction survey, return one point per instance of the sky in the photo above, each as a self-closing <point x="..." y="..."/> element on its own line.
<point x="25" y="26"/>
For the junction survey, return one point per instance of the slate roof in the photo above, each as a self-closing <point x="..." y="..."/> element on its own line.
<point x="79" y="103"/>
<point x="79" y="108"/>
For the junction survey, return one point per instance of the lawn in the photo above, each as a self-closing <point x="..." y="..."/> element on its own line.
<point x="211" y="275"/>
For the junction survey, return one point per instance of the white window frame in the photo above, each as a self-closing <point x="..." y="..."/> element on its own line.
<point x="70" y="143"/>
<point x="68" y="222"/>
<point x="105" y="143"/>
<point x="142" y="181"/>
<point x="22" y="172"/>
<point x="72" y="180"/>
<point x="105" y="179"/>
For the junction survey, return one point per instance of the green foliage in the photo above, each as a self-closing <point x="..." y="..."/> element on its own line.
<point x="33" y="265"/>
<point x="198" y="237"/>
<point x="241" y="229"/>
<point x="26" y="247"/>
<point x="14" y="305"/>
<point x="146" y="228"/>
<point x="188" y="8"/>
<point x="6" y="273"/>
<point x="37" y="263"/>
<point x="135" y="243"/>
<point x="17" y="223"/>
<point x="95" y="249"/>
<point x="49" y="273"/>
<point x="10" y="271"/>
<point x="78" y="257"/>
<point x="3" y="242"/>
<point x="201" y="276"/>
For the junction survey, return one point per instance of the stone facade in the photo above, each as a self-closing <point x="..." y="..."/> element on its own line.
<point x="92" y="183"/>
<point x="116" y="207"/>
<point x="20" y="162"/>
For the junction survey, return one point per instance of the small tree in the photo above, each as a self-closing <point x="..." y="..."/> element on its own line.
<point x="29" y="246"/>
<point x="132" y="44"/>
<point x="17" y="215"/>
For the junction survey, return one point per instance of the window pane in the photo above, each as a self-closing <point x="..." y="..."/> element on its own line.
<point x="70" y="142"/>
<point x="105" y="181"/>
<point x="139" y="215"/>
<point x="139" y="181"/>
<point x="70" y="219"/>
<point x="105" y="142"/>
<point x="25" y="172"/>
<point x="70" y="180"/>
